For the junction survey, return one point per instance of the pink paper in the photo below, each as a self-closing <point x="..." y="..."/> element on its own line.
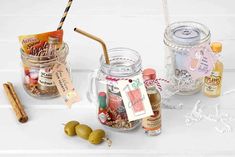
<point x="200" y="61"/>
<point x="136" y="100"/>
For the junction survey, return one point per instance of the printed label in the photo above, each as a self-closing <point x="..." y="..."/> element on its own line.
<point x="212" y="83"/>
<point x="45" y="77"/>
<point x="135" y="98"/>
<point x="115" y="102"/>
<point x="136" y="101"/>
<point x="152" y="122"/>
<point x="200" y="61"/>
<point x="64" y="84"/>
<point x="37" y="44"/>
<point x="102" y="117"/>
<point x="155" y="100"/>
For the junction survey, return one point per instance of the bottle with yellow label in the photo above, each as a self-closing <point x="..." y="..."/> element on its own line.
<point x="213" y="83"/>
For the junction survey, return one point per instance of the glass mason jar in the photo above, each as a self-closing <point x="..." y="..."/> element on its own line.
<point x="179" y="39"/>
<point x="37" y="73"/>
<point x="104" y="92"/>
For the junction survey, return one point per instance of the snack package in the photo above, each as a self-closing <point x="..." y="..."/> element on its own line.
<point x="37" y="43"/>
<point x="38" y="78"/>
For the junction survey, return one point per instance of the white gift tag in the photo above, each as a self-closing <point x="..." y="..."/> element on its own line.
<point x="63" y="82"/>
<point x="135" y="98"/>
<point x="200" y="61"/>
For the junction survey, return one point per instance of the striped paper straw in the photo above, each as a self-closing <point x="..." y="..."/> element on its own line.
<point x="65" y="14"/>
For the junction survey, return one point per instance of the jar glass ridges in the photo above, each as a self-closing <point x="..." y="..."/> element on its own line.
<point x="124" y="63"/>
<point x="37" y="72"/>
<point x="179" y="39"/>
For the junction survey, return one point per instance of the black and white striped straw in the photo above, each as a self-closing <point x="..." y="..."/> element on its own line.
<point x="65" y="14"/>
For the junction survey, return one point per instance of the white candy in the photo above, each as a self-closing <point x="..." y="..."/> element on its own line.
<point x="33" y="75"/>
<point x="33" y="70"/>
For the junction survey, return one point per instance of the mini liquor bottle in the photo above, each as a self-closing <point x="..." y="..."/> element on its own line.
<point x="152" y="124"/>
<point x="213" y="83"/>
<point x="45" y="74"/>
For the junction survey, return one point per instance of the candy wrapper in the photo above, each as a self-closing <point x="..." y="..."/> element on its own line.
<point x="39" y="53"/>
<point x="37" y="44"/>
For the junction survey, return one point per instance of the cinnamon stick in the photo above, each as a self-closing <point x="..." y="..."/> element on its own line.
<point x="15" y="102"/>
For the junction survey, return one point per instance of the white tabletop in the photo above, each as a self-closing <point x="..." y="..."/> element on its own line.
<point x="43" y="134"/>
<point x="127" y="23"/>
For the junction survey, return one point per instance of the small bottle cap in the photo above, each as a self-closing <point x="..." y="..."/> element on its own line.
<point x="102" y="100"/>
<point x="216" y="47"/>
<point x="53" y="40"/>
<point x="149" y="74"/>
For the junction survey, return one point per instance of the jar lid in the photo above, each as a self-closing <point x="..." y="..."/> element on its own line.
<point x="53" y="40"/>
<point x="186" y="34"/>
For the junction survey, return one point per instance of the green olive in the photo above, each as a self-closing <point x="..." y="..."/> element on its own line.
<point x="97" y="136"/>
<point x="69" y="128"/>
<point x="83" y="131"/>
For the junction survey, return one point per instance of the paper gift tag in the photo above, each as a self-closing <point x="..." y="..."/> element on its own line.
<point x="64" y="84"/>
<point x="135" y="98"/>
<point x="200" y="61"/>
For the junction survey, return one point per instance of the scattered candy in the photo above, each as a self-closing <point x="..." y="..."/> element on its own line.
<point x="34" y="75"/>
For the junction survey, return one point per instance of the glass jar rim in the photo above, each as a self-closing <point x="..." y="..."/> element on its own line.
<point x="169" y="40"/>
<point x="62" y="53"/>
<point x="124" y="70"/>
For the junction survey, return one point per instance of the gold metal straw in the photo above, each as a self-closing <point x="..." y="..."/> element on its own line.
<point x="96" y="39"/>
<point x="65" y="14"/>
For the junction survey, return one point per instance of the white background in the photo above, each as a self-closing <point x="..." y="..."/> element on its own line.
<point x="136" y="24"/>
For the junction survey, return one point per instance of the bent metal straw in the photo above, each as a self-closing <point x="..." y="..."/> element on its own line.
<point x="96" y="39"/>
<point x="65" y="14"/>
<point x="15" y="102"/>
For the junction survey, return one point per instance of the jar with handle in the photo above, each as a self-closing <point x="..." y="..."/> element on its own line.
<point x="104" y="92"/>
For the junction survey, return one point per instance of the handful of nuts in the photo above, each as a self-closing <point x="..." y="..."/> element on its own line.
<point x="97" y="136"/>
